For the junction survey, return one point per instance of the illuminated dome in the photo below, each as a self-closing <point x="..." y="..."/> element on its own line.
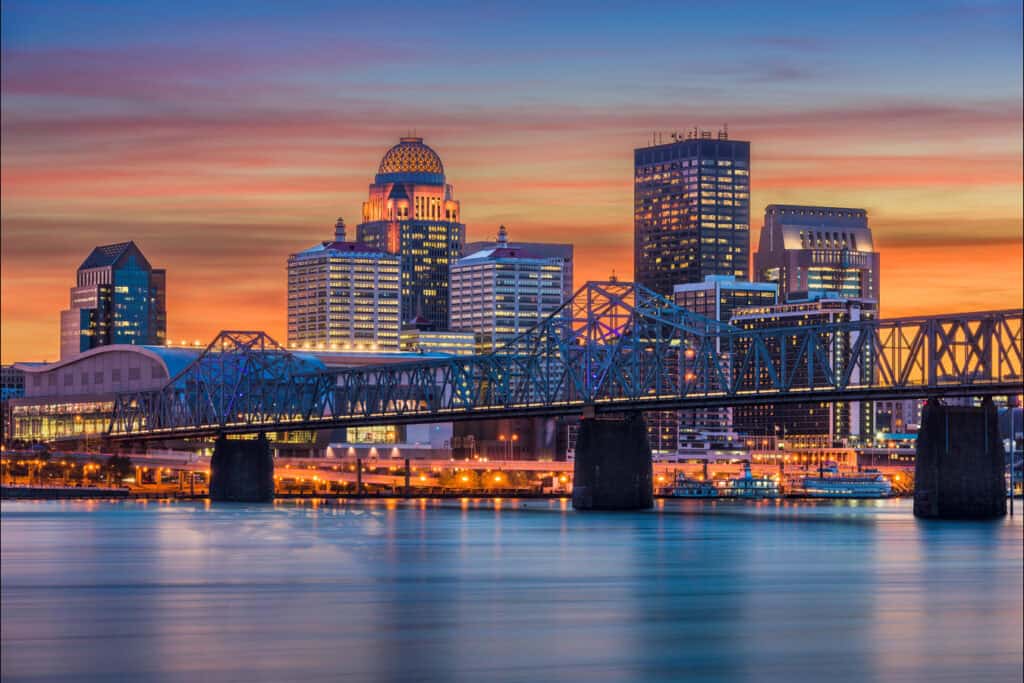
<point x="411" y="161"/>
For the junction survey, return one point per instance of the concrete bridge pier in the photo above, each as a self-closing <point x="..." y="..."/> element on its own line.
<point x="242" y="471"/>
<point x="959" y="473"/>
<point x="612" y="469"/>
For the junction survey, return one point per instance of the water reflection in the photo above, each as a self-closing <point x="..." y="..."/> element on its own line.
<point x="471" y="590"/>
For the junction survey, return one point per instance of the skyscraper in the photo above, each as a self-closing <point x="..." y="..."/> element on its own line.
<point x="502" y="292"/>
<point x="562" y="251"/>
<point x="343" y="295"/>
<point x="410" y="212"/>
<point x="691" y="210"/>
<point x="817" y="251"/>
<point x="118" y="298"/>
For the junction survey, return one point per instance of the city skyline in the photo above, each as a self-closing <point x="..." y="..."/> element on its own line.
<point x="219" y="158"/>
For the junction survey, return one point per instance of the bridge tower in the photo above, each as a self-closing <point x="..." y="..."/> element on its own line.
<point x="612" y="469"/>
<point x="959" y="473"/>
<point x="242" y="471"/>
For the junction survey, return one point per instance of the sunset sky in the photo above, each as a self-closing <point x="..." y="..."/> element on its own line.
<point x="221" y="140"/>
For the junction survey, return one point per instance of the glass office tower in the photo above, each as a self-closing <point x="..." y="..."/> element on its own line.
<point x="118" y="298"/>
<point x="691" y="212"/>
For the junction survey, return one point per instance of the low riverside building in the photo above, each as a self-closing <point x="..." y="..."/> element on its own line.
<point x="75" y="396"/>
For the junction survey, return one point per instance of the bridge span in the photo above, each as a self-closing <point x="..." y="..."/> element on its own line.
<point x="615" y="348"/>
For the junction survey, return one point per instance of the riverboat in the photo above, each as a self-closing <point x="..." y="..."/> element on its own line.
<point x="831" y="484"/>
<point x="684" y="487"/>
<point x="749" y="487"/>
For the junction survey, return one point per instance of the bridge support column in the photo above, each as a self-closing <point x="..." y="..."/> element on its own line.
<point x="613" y="470"/>
<point x="242" y="471"/>
<point x="960" y="463"/>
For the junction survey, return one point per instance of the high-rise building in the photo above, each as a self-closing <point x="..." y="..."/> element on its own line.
<point x="118" y="298"/>
<point x="410" y="212"/>
<point x="821" y="251"/>
<point x="502" y="292"/>
<point x="691" y="210"/>
<point x="539" y="249"/>
<point x="708" y="432"/>
<point x="343" y="295"/>
<point x="819" y="424"/>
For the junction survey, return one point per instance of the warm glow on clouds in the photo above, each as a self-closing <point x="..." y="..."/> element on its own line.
<point x="230" y="139"/>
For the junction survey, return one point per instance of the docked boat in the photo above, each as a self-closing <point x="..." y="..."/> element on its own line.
<point x="684" y="487"/>
<point x="749" y="487"/>
<point x="830" y="484"/>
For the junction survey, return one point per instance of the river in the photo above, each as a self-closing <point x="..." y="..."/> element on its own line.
<point x="506" y="591"/>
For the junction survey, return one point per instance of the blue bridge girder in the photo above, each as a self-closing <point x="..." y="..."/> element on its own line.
<point x="613" y="347"/>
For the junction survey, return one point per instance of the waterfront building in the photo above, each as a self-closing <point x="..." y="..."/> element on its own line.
<point x="818" y="251"/>
<point x="343" y="295"/>
<point x="75" y="396"/>
<point x="118" y="298"/>
<point x="708" y="432"/>
<point x="539" y="249"/>
<point x="411" y="212"/>
<point x="691" y="210"/>
<point x="812" y="424"/>
<point x="502" y="292"/>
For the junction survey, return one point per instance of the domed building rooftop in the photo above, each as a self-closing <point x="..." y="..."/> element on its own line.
<point x="411" y="161"/>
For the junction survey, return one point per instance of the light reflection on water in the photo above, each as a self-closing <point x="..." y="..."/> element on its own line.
<point x="471" y="590"/>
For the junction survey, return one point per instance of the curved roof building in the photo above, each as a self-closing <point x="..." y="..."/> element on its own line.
<point x="411" y="212"/>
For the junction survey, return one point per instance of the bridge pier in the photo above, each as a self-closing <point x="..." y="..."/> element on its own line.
<point x="959" y="472"/>
<point x="242" y="471"/>
<point x="612" y="469"/>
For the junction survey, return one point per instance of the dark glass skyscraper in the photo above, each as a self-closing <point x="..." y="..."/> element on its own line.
<point x="691" y="210"/>
<point x="411" y="212"/>
<point x="118" y="298"/>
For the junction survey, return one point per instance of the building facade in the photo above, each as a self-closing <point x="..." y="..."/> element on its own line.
<point x="75" y="396"/>
<point x="709" y="432"/>
<point x="411" y="212"/>
<point x="819" y="424"/>
<point x="344" y="295"/>
<point x="501" y="293"/>
<point x="118" y="298"/>
<point x="691" y="210"/>
<point x="447" y="342"/>
<point x="821" y="251"/>
<point x="539" y="249"/>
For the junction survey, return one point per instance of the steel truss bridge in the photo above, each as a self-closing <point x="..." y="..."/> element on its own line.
<point x="613" y="347"/>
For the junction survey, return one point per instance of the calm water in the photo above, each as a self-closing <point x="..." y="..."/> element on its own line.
<point x="527" y="592"/>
